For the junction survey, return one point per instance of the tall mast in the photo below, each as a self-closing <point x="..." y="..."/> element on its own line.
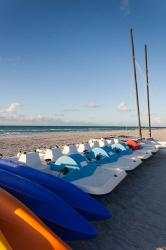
<point x="136" y="84"/>
<point x="147" y="88"/>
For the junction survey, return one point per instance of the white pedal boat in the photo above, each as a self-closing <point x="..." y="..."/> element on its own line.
<point x="134" y="159"/>
<point x="142" y="154"/>
<point x="109" y="161"/>
<point x="88" y="177"/>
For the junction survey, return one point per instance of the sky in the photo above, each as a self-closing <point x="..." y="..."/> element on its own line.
<point x="68" y="62"/>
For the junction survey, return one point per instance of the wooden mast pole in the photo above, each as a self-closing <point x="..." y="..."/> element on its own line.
<point x="136" y="84"/>
<point x="147" y="88"/>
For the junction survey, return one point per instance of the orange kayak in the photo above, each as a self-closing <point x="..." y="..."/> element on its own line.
<point x="133" y="144"/>
<point x="4" y="245"/>
<point x="21" y="229"/>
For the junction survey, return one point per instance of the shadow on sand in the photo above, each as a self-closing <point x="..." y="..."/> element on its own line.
<point x="138" y="206"/>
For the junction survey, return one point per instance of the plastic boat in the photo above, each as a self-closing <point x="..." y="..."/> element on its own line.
<point x="108" y="158"/>
<point x="75" y="169"/>
<point x="125" y="152"/>
<point x="75" y="197"/>
<point x="143" y="149"/>
<point x="4" y="244"/>
<point x="147" y="141"/>
<point x="147" y="146"/>
<point x="90" y="177"/>
<point x="133" y="144"/>
<point x="107" y="155"/>
<point x="54" y="212"/>
<point x="157" y="143"/>
<point x="21" y="229"/>
<point x="142" y="145"/>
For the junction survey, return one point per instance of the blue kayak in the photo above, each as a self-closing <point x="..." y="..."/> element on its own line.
<point x="55" y="212"/>
<point x="75" y="197"/>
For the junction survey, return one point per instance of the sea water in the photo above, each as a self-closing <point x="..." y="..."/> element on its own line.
<point x="4" y="130"/>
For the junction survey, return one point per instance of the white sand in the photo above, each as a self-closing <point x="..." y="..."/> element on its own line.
<point x="11" y="144"/>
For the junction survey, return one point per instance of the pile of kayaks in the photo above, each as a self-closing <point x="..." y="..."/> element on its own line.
<point x="20" y="228"/>
<point x="45" y="194"/>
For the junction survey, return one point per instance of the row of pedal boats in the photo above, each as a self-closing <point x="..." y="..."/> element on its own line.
<point x="45" y="195"/>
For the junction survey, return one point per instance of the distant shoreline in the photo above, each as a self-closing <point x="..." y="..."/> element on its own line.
<point x="11" y="144"/>
<point x="108" y="132"/>
<point x="10" y="130"/>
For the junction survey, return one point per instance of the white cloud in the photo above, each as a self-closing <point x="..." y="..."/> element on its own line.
<point x="92" y="104"/>
<point x="20" y="119"/>
<point x="122" y="107"/>
<point x="125" y="6"/>
<point x="11" y="109"/>
<point x="10" y="115"/>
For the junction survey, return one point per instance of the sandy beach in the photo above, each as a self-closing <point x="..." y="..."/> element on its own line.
<point x="137" y="204"/>
<point x="11" y="144"/>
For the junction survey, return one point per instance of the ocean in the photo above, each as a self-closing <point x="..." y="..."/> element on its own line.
<point x="14" y="130"/>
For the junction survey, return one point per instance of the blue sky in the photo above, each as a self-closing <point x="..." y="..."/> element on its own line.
<point x="69" y="61"/>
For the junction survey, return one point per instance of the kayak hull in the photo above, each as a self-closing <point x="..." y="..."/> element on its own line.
<point x="75" y="197"/>
<point x="68" y="224"/>
<point x="22" y="229"/>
